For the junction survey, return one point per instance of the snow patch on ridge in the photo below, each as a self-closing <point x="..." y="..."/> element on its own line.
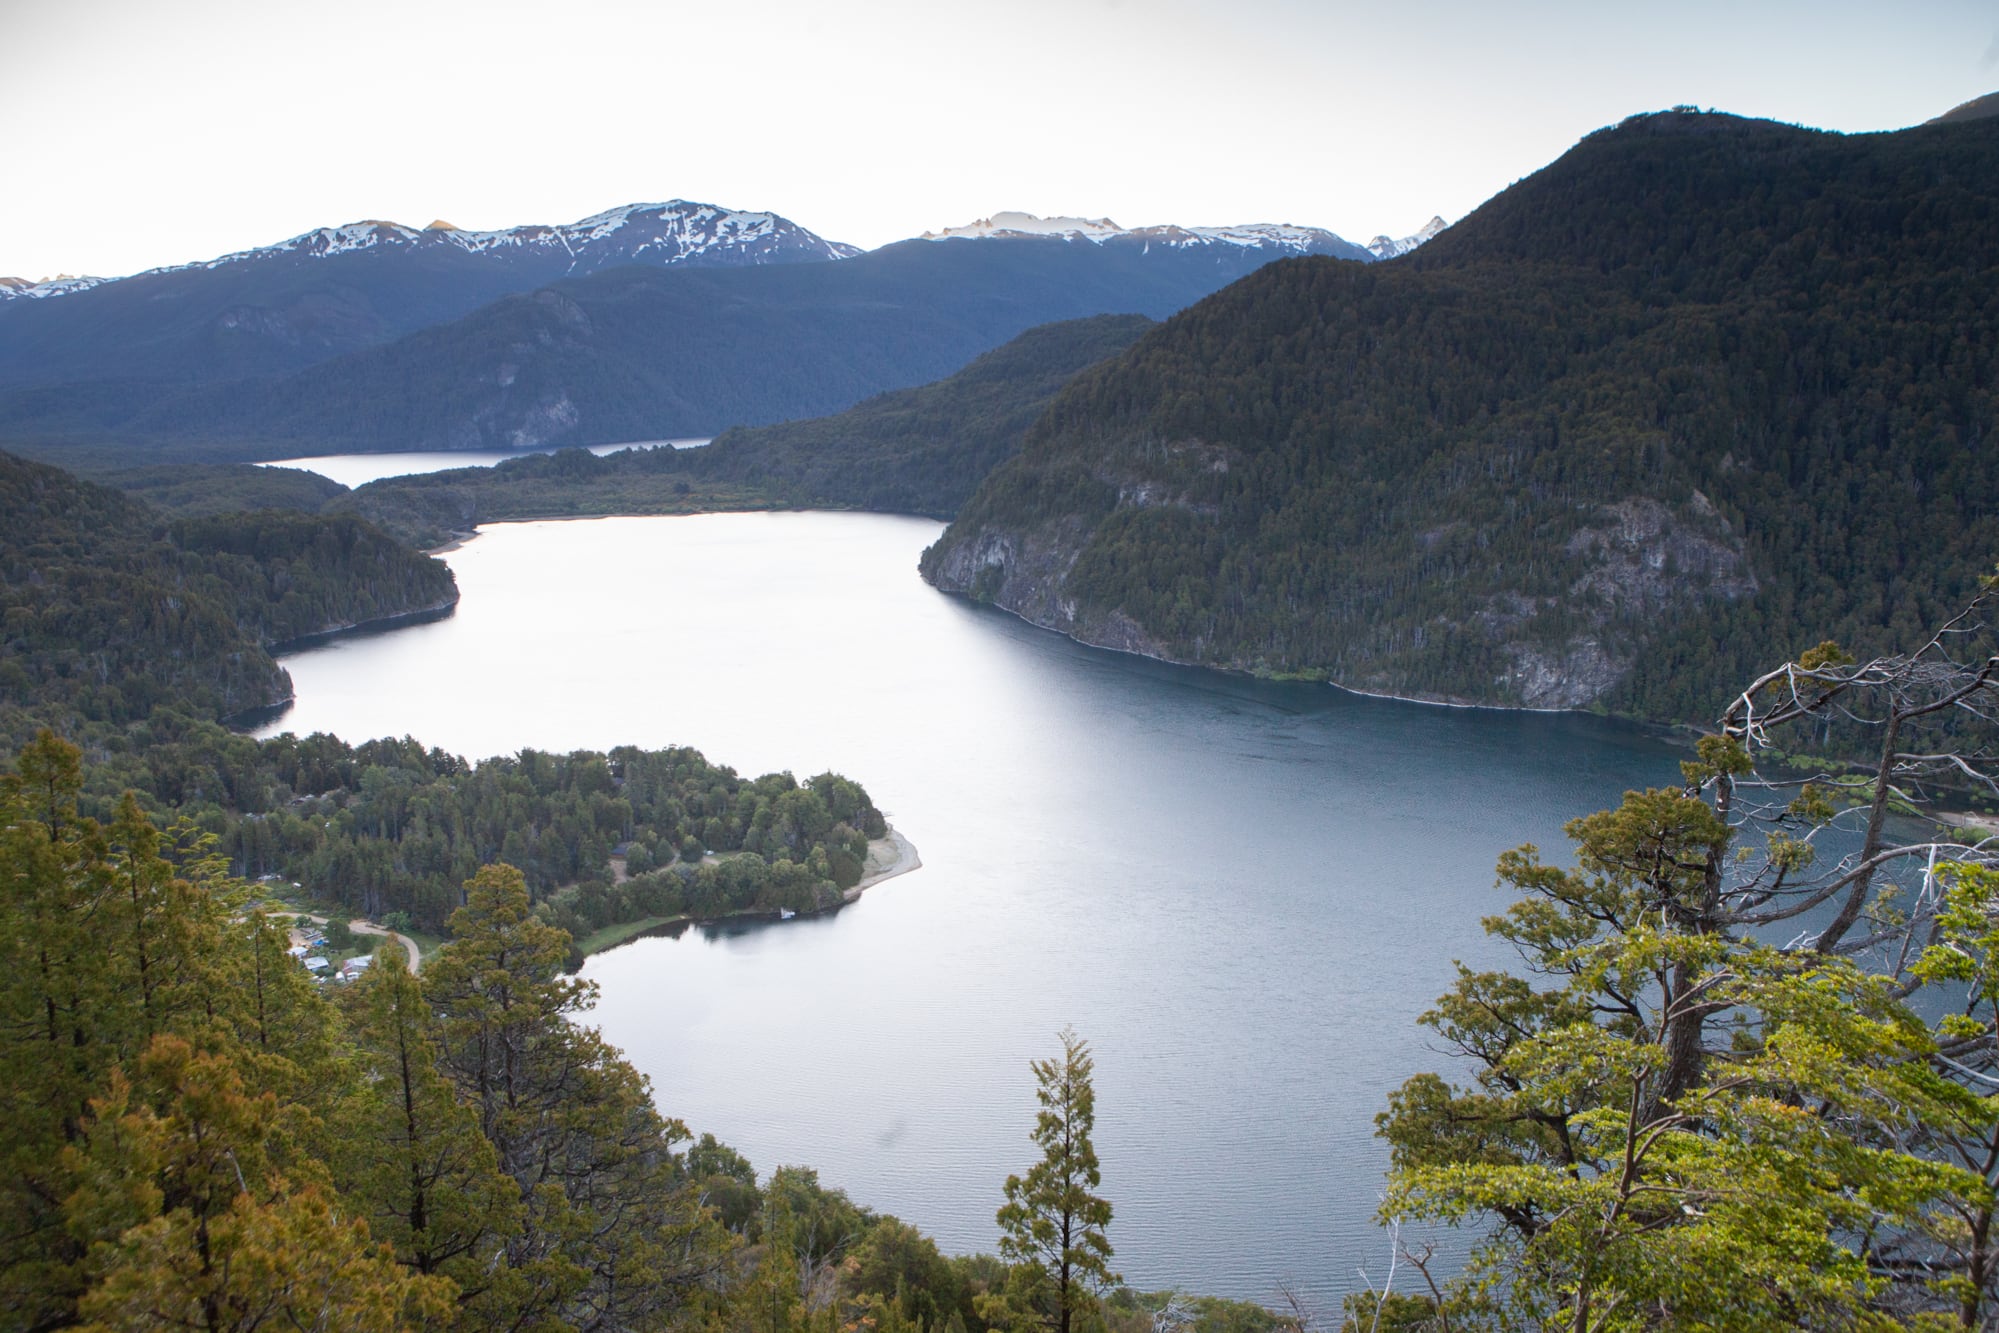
<point x="62" y="284"/>
<point x="1280" y="237"/>
<point x="1388" y="247"/>
<point x="671" y="232"/>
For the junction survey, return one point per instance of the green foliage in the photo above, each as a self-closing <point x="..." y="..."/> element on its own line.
<point x="199" y="490"/>
<point x="428" y="509"/>
<point x="108" y="611"/>
<point x="160" y="1121"/>
<point x="923" y="450"/>
<point x="1672" y="1122"/>
<point x="1053" y="1226"/>
<point x="389" y="826"/>
<point x="192" y="1137"/>
<point x="1702" y="388"/>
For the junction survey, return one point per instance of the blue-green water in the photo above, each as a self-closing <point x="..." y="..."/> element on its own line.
<point x="1241" y="893"/>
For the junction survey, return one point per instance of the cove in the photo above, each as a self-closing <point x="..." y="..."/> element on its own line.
<point x="1243" y="893"/>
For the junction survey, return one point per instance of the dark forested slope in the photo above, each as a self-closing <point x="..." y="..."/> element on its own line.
<point x="922" y="450"/>
<point x="1702" y="391"/>
<point x="111" y="609"/>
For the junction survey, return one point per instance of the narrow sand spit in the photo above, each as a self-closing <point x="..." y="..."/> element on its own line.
<point x="887" y="858"/>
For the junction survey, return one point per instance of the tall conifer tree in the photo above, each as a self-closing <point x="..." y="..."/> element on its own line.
<point x="1053" y="1224"/>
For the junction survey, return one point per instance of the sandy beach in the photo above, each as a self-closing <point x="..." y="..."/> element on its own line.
<point x="887" y="857"/>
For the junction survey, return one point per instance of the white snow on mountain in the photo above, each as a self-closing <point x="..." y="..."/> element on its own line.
<point x="1026" y="224"/>
<point x="1387" y="247"/>
<point x="670" y="232"/>
<point x="1255" y="235"/>
<point x="60" y="285"/>
<point x="673" y="232"/>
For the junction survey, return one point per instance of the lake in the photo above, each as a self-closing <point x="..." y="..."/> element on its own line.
<point x="352" y="470"/>
<point x="1242" y="893"/>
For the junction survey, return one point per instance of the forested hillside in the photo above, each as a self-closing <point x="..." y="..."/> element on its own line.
<point x="1703" y="390"/>
<point x="111" y="609"/>
<point x="194" y="1135"/>
<point x="921" y="450"/>
<point x="187" y="490"/>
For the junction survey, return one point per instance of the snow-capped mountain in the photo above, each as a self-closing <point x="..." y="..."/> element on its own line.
<point x="1275" y="238"/>
<point x="335" y="290"/>
<point x="60" y="285"/>
<point x="675" y="232"/>
<point x="1388" y="247"/>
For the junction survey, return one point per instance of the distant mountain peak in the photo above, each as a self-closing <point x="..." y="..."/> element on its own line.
<point x="1280" y="237"/>
<point x="439" y="224"/>
<point x="1027" y="224"/>
<point x="62" y="284"/>
<point x="1389" y="247"/>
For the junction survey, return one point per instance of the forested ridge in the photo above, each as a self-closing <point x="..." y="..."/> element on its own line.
<point x="112" y="609"/>
<point x="921" y="450"/>
<point x="1702" y="389"/>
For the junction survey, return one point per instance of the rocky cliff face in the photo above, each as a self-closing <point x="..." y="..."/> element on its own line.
<point x="1025" y="573"/>
<point x="1629" y="565"/>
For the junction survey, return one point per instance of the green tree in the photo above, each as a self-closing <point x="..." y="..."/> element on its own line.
<point x="407" y="1152"/>
<point x="612" y="1232"/>
<point x="1053" y="1226"/>
<point x="1674" y="1122"/>
<point x="59" y="1016"/>
<point x="210" y="1217"/>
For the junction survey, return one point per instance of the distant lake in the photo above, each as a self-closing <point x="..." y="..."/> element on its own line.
<point x="352" y="470"/>
<point x="1241" y="893"/>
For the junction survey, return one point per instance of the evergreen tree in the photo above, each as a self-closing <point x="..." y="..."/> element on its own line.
<point x="1053" y="1225"/>
<point x="612" y="1233"/>
<point x="1673" y="1122"/>
<point x="56" y="1013"/>
<point x="408" y="1153"/>
<point x="214" y="1216"/>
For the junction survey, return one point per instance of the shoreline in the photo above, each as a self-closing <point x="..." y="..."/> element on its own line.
<point x="1284" y="677"/>
<point x="880" y="866"/>
<point x="888" y="857"/>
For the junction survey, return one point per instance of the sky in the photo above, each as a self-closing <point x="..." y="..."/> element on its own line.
<point x="137" y="133"/>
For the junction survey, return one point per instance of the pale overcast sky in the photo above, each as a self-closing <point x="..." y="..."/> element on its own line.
<point x="144" y="132"/>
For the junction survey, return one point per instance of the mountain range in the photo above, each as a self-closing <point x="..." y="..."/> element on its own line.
<point x="339" y="289"/>
<point x="662" y="320"/>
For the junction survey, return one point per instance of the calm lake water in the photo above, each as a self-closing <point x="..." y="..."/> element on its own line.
<point x="1241" y="893"/>
<point x="352" y="470"/>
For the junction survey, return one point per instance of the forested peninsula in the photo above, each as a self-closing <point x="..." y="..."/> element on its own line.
<point x="1703" y="389"/>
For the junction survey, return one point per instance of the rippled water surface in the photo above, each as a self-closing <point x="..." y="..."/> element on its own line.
<point x="1241" y="893"/>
